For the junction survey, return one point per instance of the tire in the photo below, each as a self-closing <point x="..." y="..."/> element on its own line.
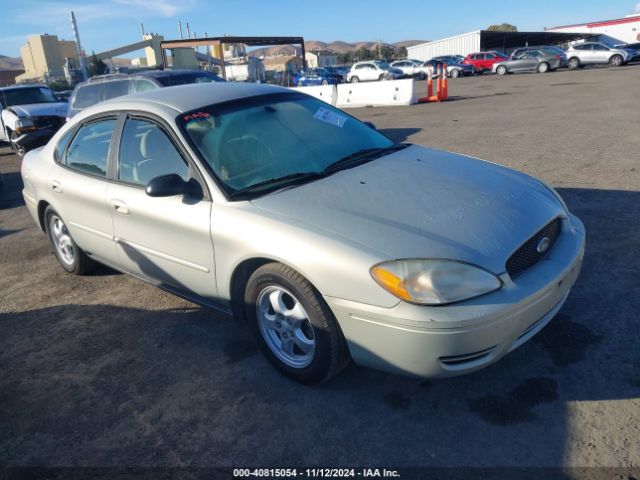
<point x="69" y="255"/>
<point x="299" y="84"/>
<point x="382" y="77"/>
<point x="454" y="73"/>
<point x="501" y="70"/>
<point x="18" y="150"/>
<point x="573" y="63"/>
<point x="324" y="82"/>
<point x="354" y="80"/>
<point x="616" y="61"/>
<point x="543" y="67"/>
<point x="422" y="76"/>
<point x="315" y="327"/>
<point x="480" y="72"/>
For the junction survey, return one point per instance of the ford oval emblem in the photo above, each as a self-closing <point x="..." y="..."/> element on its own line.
<point x="543" y="244"/>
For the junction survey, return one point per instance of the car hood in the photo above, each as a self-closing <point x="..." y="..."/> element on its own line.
<point x="36" y="109"/>
<point x="421" y="202"/>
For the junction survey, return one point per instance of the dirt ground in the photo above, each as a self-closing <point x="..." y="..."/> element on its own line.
<point x="107" y="371"/>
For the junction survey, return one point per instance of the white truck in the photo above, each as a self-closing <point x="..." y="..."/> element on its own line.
<point x="29" y="116"/>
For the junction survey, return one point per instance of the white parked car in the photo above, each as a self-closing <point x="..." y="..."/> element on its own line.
<point x="410" y="68"/>
<point x="29" y="116"/>
<point x="371" y="71"/>
<point x="594" y="52"/>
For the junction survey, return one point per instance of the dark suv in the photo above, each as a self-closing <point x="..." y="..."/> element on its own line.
<point x="104" y="87"/>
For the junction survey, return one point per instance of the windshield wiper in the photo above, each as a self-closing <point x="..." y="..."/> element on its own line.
<point x="362" y="156"/>
<point x="285" y="181"/>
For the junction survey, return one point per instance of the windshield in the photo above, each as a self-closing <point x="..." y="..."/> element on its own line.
<point x="25" y="96"/>
<point x="254" y="140"/>
<point x="187" y="78"/>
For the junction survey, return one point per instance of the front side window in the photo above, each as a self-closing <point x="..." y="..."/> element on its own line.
<point x="146" y="152"/>
<point x="249" y="141"/>
<point x="89" y="149"/>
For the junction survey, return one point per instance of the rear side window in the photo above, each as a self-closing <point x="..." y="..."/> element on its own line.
<point x="87" y="95"/>
<point x="116" y="89"/>
<point x="58" y="153"/>
<point x="143" y="85"/>
<point x="89" y="149"/>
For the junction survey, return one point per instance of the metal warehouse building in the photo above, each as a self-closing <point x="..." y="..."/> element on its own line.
<point x="483" y="40"/>
<point x="621" y="30"/>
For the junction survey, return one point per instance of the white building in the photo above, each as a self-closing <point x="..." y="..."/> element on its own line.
<point x="612" y="32"/>
<point x="486" y="40"/>
<point x="320" y="59"/>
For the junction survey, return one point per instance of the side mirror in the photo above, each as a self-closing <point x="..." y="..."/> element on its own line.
<point x="172" y="185"/>
<point x="370" y="125"/>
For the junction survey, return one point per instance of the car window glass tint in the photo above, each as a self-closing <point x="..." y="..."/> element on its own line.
<point x="88" y="95"/>
<point x="116" y="89"/>
<point x="62" y="144"/>
<point x="89" y="149"/>
<point x="146" y="152"/>
<point x="143" y="85"/>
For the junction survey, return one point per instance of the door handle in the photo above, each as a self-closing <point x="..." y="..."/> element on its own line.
<point x="56" y="186"/>
<point x="120" y="206"/>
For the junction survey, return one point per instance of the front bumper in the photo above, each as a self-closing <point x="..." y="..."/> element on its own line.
<point x="34" y="139"/>
<point x="460" y="338"/>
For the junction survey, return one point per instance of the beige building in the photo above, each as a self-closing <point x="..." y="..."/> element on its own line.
<point x="44" y="56"/>
<point x="283" y="63"/>
<point x="320" y="59"/>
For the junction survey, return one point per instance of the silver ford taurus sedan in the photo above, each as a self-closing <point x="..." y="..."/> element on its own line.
<point x="332" y="241"/>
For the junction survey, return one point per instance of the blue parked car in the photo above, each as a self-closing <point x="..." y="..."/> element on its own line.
<point x="317" y="76"/>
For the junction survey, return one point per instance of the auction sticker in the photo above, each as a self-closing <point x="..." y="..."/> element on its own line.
<point x="330" y="117"/>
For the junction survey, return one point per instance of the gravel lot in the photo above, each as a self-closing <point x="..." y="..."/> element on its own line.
<point x="107" y="371"/>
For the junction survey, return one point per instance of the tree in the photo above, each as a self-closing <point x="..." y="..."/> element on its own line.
<point x="503" y="27"/>
<point x="95" y="66"/>
<point x="59" y="85"/>
<point x="402" y="52"/>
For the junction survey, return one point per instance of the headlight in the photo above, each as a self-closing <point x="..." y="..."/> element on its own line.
<point x="434" y="282"/>
<point x="24" y="125"/>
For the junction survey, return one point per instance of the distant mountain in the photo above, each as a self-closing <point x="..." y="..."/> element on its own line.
<point x="10" y="63"/>
<point x="336" y="46"/>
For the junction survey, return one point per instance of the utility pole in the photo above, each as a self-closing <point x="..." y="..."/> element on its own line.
<point x="76" y="35"/>
<point x="180" y="29"/>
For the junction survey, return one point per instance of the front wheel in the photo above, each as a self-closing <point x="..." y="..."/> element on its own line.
<point x="324" y="82"/>
<point x="422" y="76"/>
<point x="69" y="255"/>
<point x="294" y="326"/>
<point x="616" y="61"/>
<point x="501" y="70"/>
<point x="543" y="67"/>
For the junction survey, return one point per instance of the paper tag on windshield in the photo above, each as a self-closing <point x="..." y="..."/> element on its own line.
<point x="328" y="116"/>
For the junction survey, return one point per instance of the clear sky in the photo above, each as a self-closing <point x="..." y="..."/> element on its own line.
<point x="106" y="24"/>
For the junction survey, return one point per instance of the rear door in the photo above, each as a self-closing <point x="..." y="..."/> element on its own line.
<point x="165" y="240"/>
<point x="600" y="53"/>
<point x="79" y="184"/>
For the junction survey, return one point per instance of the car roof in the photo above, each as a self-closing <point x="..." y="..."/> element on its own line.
<point x="183" y="98"/>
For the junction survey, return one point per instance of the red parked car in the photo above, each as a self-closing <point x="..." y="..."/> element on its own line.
<point x="484" y="60"/>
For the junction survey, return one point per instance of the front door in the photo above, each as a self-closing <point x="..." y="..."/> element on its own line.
<point x="165" y="240"/>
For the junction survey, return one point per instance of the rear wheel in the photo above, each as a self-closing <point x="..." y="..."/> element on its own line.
<point x="543" y="67"/>
<point x="324" y="82"/>
<point x="422" y="76"/>
<point x="616" y="60"/>
<point x="455" y="73"/>
<point x="501" y="70"/>
<point x="574" y="63"/>
<point x="354" y="80"/>
<point x="69" y="255"/>
<point x="294" y="326"/>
